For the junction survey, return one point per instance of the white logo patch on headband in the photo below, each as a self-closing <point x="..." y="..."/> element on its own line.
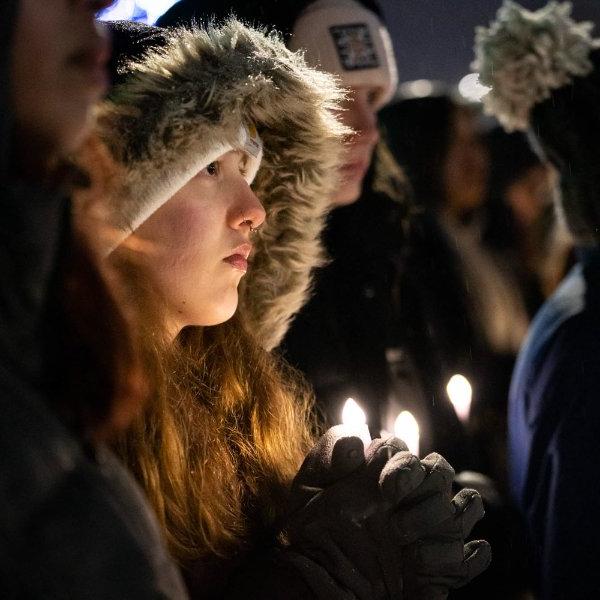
<point x="355" y="46"/>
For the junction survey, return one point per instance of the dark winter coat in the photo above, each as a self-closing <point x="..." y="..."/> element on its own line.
<point x="73" y="524"/>
<point x="366" y="332"/>
<point x="554" y="419"/>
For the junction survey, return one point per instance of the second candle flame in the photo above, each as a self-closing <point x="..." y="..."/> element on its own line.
<point x="407" y="429"/>
<point x="355" y="421"/>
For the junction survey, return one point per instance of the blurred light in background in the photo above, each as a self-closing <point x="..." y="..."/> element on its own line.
<point x="470" y="88"/>
<point x="419" y="88"/>
<point x="460" y="393"/>
<point x="146" y="11"/>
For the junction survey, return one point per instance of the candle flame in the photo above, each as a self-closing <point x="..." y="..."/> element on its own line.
<point x="407" y="429"/>
<point x="460" y="393"/>
<point x="352" y="414"/>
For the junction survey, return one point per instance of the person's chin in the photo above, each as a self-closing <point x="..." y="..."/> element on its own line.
<point x="223" y="311"/>
<point x="347" y="194"/>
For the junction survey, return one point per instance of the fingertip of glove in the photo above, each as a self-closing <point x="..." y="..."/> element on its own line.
<point x="479" y="551"/>
<point x="348" y="453"/>
<point x="436" y="462"/>
<point x="390" y="445"/>
<point x="471" y="500"/>
<point x="477" y="558"/>
<point x="439" y="472"/>
<point x="334" y="456"/>
<point x="400" y="476"/>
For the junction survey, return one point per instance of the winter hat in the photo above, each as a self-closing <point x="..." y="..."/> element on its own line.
<point x="154" y="177"/>
<point x="186" y="99"/>
<point x="345" y="37"/>
<point x="524" y="55"/>
<point x="543" y="69"/>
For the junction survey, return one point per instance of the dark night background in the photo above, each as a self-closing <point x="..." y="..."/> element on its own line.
<point x="433" y="39"/>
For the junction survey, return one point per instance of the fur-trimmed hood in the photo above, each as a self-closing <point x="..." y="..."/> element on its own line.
<point x="190" y="96"/>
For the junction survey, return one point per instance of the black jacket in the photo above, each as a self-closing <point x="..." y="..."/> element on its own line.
<point x="367" y="331"/>
<point x="73" y="524"/>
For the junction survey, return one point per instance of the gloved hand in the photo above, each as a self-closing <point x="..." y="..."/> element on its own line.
<point x="439" y="560"/>
<point x="382" y="523"/>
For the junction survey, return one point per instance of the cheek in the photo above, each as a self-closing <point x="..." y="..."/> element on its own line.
<point x="178" y="226"/>
<point x="184" y="248"/>
<point x="52" y="106"/>
<point x="32" y="80"/>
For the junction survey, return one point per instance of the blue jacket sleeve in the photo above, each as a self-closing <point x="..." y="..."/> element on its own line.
<point x="562" y="496"/>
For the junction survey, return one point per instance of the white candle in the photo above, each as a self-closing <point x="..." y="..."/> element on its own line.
<point x="355" y="421"/>
<point x="460" y="393"/>
<point x="407" y="429"/>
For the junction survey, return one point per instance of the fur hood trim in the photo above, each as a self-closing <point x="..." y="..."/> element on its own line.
<point x="189" y="99"/>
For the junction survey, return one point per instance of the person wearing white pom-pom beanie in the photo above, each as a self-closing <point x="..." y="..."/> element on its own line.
<point x="544" y="73"/>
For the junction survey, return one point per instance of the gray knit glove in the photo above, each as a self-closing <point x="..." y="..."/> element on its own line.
<point x="383" y="525"/>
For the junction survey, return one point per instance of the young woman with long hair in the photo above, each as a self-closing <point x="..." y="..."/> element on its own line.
<point x="196" y="117"/>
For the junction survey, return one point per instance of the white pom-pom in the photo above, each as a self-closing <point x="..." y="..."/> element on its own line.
<point x="524" y="55"/>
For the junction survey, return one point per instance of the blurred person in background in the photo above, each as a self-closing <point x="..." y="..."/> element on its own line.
<point x="461" y="312"/>
<point x="553" y="405"/>
<point x="73" y="523"/>
<point x="519" y="224"/>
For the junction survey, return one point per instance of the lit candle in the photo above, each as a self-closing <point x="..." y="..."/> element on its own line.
<point x="355" y="421"/>
<point x="460" y="393"/>
<point x="407" y="429"/>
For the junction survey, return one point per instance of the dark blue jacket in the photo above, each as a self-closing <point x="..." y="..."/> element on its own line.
<point x="554" y="435"/>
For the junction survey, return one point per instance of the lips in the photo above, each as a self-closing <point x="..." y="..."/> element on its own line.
<point x="355" y="169"/>
<point x="237" y="261"/>
<point x="239" y="258"/>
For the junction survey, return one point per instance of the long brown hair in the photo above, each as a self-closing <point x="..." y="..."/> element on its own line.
<point x="224" y="433"/>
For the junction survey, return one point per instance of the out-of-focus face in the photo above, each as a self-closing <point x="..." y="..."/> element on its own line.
<point x="359" y="113"/>
<point x="465" y="171"/>
<point x="529" y="196"/>
<point x="195" y="247"/>
<point x="58" y="72"/>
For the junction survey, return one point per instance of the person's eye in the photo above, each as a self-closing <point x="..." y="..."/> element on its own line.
<point x="212" y="169"/>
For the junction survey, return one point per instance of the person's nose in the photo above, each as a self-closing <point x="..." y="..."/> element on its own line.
<point x="248" y="212"/>
<point x="365" y="125"/>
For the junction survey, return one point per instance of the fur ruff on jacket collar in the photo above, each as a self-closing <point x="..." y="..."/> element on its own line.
<point x="189" y="98"/>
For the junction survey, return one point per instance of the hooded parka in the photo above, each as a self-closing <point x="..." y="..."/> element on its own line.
<point x="181" y="93"/>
